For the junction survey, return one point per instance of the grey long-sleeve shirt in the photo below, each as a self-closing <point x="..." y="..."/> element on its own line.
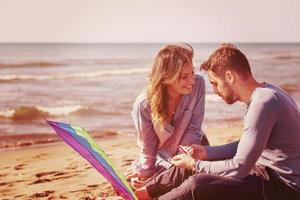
<point x="271" y="138"/>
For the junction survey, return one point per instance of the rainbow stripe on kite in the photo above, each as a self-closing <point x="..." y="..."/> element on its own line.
<point x="80" y="140"/>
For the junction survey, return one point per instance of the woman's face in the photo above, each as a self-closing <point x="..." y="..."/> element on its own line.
<point x="184" y="83"/>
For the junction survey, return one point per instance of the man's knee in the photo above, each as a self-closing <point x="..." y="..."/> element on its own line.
<point x="199" y="181"/>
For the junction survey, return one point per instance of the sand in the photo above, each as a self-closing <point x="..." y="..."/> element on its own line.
<point x="55" y="171"/>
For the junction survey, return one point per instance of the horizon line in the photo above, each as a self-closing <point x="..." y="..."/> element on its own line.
<point x="255" y="42"/>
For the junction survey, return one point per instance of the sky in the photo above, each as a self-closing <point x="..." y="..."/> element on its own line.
<point x="147" y="21"/>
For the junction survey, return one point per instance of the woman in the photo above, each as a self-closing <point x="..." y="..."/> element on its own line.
<point x="168" y="113"/>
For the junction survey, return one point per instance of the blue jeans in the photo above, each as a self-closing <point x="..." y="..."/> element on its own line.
<point x="178" y="183"/>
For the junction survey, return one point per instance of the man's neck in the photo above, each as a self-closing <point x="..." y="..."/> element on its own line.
<point x="247" y="88"/>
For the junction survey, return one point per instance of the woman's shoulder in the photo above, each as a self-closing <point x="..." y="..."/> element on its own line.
<point x="199" y="84"/>
<point x="199" y="79"/>
<point x="141" y="101"/>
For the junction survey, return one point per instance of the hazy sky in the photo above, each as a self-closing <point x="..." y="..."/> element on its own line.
<point x="149" y="21"/>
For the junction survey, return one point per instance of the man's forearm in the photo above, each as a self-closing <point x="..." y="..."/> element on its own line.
<point x="221" y="152"/>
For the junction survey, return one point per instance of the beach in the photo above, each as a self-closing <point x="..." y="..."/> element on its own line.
<point x="94" y="86"/>
<point x="55" y="171"/>
<point x="58" y="172"/>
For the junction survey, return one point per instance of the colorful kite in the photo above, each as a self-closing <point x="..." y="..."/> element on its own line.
<point x="79" y="139"/>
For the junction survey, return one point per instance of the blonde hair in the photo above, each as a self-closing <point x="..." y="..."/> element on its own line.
<point x="166" y="68"/>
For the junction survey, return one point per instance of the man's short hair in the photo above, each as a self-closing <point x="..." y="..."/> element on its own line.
<point x="227" y="57"/>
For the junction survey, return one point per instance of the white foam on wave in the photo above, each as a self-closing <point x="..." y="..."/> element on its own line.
<point x="50" y="111"/>
<point x="60" y="111"/>
<point x="7" y="113"/>
<point x="111" y="72"/>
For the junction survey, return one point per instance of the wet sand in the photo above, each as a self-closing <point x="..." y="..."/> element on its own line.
<point x="55" y="171"/>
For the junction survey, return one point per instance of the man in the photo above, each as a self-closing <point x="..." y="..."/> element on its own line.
<point x="263" y="164"/>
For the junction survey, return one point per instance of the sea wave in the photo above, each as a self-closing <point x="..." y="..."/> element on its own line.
<point x="287" y="57"/>
<point x="28" y="113"/>
<point x="30" y="64"/>
<point x="63" y="62"/>
<point x="32" y="113"/>
<point x="276" y="56"/>
<point x="111" y="72"/>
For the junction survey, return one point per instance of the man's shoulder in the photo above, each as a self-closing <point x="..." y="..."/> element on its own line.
<point x="271" y="92"/>
<point x="264" y="95"/>
<point x="265" y="92"/>
<point x="264" y="104"/>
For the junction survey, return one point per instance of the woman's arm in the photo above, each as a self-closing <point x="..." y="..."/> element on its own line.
<point x="147" y="139"/>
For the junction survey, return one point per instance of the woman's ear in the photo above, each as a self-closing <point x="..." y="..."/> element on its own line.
<point x="229" y="77"/>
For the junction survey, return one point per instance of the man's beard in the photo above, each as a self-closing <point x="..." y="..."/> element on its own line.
<point x="229" y="97"/>
<point x="229" y="100"/>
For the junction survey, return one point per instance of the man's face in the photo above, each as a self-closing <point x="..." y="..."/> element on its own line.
<point x="222" y="88"/>
<point x="184" y="84"/>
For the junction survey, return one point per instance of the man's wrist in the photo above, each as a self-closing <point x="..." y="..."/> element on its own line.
<point x="196" y="164"/>
<point x="193" y="164"/>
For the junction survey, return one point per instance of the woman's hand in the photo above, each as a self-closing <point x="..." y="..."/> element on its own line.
<point x="136" y="179"/>
<point x="131" y="173"/>
<point x="184" y="161"/>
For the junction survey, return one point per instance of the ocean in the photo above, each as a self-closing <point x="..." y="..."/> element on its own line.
<point x="95" y="85"/>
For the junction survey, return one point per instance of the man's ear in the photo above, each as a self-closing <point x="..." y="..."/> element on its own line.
<point x="229" y="77"/>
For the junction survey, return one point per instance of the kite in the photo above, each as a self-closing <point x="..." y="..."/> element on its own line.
<point x="79" y="139"/>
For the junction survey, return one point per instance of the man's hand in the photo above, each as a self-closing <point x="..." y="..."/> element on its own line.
<point x="184" y="161"/>
<point x="198" y="152"/>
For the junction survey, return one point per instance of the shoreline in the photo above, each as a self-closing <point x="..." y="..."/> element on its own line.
<point x="10" y="141"/>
